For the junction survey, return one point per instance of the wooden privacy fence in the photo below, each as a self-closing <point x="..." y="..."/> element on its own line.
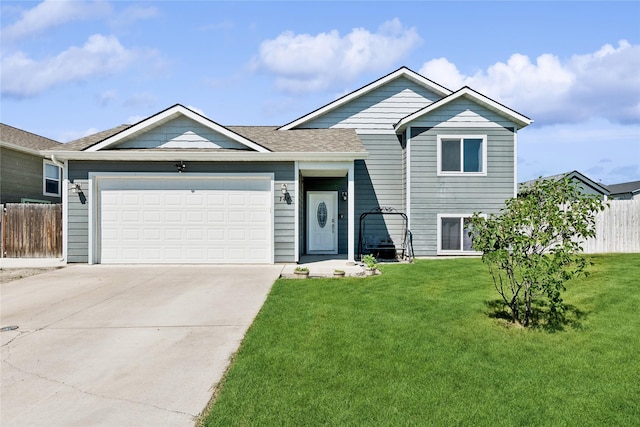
<point x="31" y="230"/>
<point x="617" y="228"/>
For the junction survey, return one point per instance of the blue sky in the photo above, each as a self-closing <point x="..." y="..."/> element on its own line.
<point x="73" y="68"/>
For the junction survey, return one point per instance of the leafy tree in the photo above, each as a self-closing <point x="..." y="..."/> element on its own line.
<point x="534" y="245"/>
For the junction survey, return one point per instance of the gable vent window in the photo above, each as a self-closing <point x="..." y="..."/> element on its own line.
<point x="51" y="179"/>
<point x="462" y="155"/>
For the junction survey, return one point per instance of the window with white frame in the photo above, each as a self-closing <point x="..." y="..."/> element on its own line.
<point x="462" y="155"/>
<point x="453" y="234"/>
<point x="51" y="179"/>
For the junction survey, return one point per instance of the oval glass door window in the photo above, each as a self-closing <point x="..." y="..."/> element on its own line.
<point x="322" y="214"/>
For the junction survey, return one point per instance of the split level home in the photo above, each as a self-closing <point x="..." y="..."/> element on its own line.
<point x="402" y="156"/>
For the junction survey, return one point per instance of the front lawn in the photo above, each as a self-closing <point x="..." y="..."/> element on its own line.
<point x="418" y="346"/>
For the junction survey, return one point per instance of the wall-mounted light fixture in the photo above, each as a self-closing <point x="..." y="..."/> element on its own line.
<point x="285" y="193"/>
<point x="180" y="166"/>
<point x="76" y="187"/>
<point x="344" y="196"/>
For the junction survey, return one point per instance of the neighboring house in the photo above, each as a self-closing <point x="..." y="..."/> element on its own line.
<point x="25" y="174"/>
<point x="625" y="191"/>
<point x="178" y="187"/>
<point x="585" y="184"/>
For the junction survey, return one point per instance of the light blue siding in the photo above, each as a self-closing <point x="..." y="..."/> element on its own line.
<point x="432" y="195"/>
<point x="462" y="113"/>
<point x="284" y="227"/>
<point x="379" y="183"/>
<point x="379" y="109"/>
<point x="182" y="132"/>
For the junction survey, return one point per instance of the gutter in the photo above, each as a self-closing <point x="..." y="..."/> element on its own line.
<point x="125" y="155"/>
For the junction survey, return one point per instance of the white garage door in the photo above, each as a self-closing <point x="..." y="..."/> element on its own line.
<point x="218" y="220"/>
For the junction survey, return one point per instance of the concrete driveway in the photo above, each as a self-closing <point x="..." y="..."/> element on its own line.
<point x="123" y="345"/>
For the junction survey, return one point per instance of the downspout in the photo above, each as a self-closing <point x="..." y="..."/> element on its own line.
<point x="56" y="162"/>
<point x="64" y="192"/>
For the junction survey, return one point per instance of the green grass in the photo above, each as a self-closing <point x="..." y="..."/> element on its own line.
<point x="419" y="345"/>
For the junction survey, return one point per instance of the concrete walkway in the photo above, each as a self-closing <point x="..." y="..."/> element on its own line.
<point x="324" y="266"/>
<point x="123" y="345"/>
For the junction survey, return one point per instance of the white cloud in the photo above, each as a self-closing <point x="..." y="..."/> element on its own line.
<point x="132" y="14"/>
<point x="52" y="13"/>
<point x="605" y="83"/>
<point x="607" y="152"/>
<point x="305" y="62"/>
<point x="100" y="55"/>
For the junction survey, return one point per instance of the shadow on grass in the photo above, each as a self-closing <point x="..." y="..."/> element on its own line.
<point x="542" y="317"/>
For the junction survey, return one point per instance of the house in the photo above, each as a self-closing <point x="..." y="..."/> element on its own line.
<point x="585" y="184"/>
<point x="25" y="174"/>
<point x="179" y="187"/>
<point x="625" y="190"/>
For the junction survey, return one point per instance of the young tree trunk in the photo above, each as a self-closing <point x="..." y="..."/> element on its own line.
<point x="527" y="305"/>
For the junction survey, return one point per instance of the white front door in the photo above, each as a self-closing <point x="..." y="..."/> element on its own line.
<point x="322" y="222"/>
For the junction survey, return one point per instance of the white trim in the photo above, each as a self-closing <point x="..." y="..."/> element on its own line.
<point x="401" y="72"/>
<point x="93" y="231"/>
<point x="408" y="177"/>
<point x="351" y="244"/>
<point x="208" y="156"/>
<point x="439" y="250"/>
<point x="15" y="147"/>
<point x="515" y="163"/>
<point x="170" y="114"/>
<point x="94" y="188"/>
<point x="272" y="209"/>
<point x="439" y="170"/>
<point x="46" y="162"/>
<point x="324" y="166"/>
<point x="471" y="94"/>
<point x="65" y="212"/>
<point x="296" y="213"/>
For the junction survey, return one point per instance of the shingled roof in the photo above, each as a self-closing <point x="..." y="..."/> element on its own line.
<point x="302" y="140"/>
<point x="624" y="187"/>
<point x="24" y="139"/>
<point x="297" y="140"/>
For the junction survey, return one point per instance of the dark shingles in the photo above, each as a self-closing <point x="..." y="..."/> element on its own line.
<point x="624" y="187"/>
<point x="302" y="140"/>
<point x="25" y="139"/>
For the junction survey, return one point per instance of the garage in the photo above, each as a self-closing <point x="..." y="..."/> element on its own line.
<point x="186" y="219"/>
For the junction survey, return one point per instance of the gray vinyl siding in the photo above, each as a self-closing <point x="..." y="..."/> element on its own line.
<point x="432" y="195"/>
<point x="181" y="132"/>
<point x="379" y="183"/>
<point x="21" y="177"/>
<point x="379" y="109"/>
<point x="462" y="113"/>
<point x="284" y="217"/>
<point x="78" y="223"/>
